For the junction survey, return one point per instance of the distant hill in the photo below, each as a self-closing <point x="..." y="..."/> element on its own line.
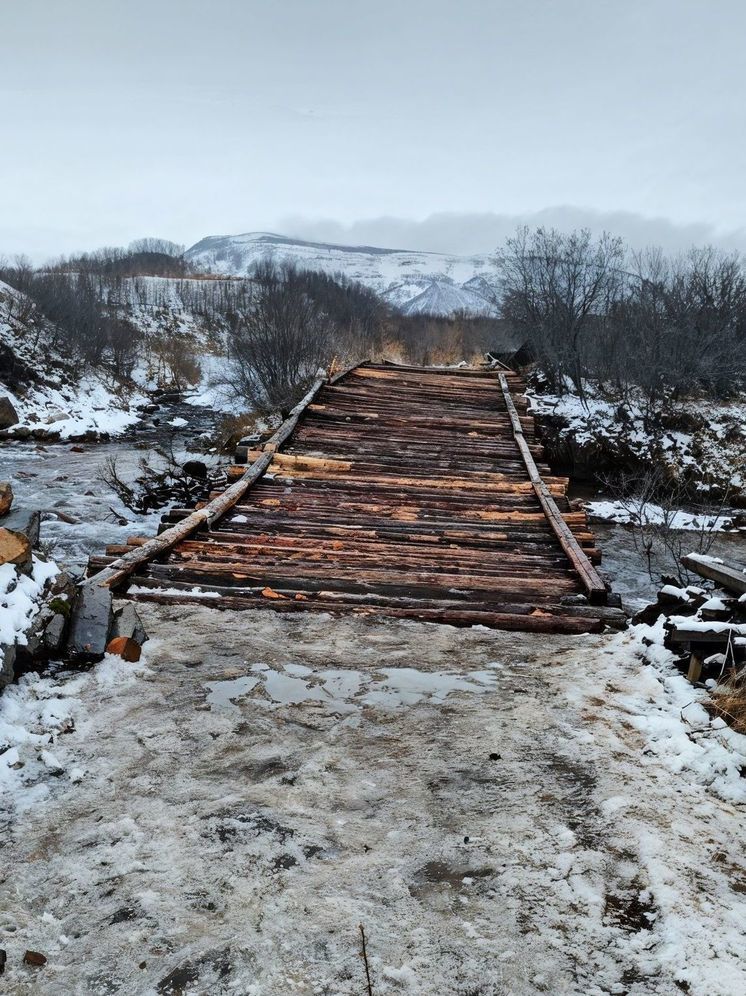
<point x="417" y="283"/>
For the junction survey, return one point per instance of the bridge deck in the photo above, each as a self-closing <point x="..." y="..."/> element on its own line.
<point x="406" y="492"/>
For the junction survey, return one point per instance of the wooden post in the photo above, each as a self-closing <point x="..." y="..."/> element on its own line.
<point x="695" y="667"/>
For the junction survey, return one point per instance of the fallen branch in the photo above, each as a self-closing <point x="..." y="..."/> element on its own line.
<point x="365" y="961"/>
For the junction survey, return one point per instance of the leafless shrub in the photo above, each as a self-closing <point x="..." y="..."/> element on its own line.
<point x="653" y="502"/>
<point x="729" y="700"/>
<point x="176" y="364"/>
<point x="161" y="480"/>
<point x="279" y="340"/>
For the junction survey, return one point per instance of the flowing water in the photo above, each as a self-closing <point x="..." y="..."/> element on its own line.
<point x="64" y="478"/>
<point x="61" y="478"/>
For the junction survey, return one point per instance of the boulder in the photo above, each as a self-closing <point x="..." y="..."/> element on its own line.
<point x="6" y="497"/>
<point x="8" y="414"/>
<point x="127" y="623"/>
<point x="54" y="633"/>
<point x="22" y="521"/>
<point x="196" y="469"/>
<point x="58" y="416"/>
<point x="15" y="548"/>
<point x="7" y="661"/>
<point x="45" y="636"/>
<point x="91" y="622"/>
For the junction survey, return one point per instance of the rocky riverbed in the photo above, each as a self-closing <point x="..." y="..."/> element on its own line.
<point x="80" y="513"/>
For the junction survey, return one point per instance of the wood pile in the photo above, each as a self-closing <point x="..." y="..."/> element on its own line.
<point x="405" y="491"/>
<point x="706" y="627"/>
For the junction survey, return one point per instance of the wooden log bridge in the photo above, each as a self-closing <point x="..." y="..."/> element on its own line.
<point x="414" y="492"/>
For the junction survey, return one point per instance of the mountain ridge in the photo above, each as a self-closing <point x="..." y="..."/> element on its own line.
<point x="413" y="281"/>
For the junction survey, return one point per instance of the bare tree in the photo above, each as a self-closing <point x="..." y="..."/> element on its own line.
<point x="278" y="340"/>
<point x="559" y="290"/>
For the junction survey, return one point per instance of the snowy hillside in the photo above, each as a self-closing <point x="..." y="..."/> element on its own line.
<point x="40" y="383"/>
<point x="416" y="282"/>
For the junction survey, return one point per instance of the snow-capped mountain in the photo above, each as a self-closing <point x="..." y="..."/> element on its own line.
<point x="415" y="282"/>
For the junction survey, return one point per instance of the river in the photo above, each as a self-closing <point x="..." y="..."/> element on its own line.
<point x="62" y="478"/>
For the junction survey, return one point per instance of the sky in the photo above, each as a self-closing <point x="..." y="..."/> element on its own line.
<point x="426" y="125"/>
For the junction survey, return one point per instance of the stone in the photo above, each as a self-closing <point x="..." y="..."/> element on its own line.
<point x="91" y="622"/>
<point x="35" y="958"/>
<point x="7" y="661"/>
<point x="195" y="468"/>
<point x="124" y="647"/>
<point x="45" y="635"/>
<point x="54" y="633"/>
<point x="15" y="548"/>
<point x="6" y="497"/>
<point x="127" y="623"/>
<point x="20" y="520"/>
<point x="59" y="416"/>
<point x="3" y="960"/>
<point x="8" y="414"/>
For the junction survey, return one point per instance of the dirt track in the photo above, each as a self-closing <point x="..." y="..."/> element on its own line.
<point x="485" y="815"/>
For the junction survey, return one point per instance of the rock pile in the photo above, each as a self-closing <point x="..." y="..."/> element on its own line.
<point x="72" y="622"/>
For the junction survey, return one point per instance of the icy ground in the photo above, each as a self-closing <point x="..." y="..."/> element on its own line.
<point x="503" y="813"/>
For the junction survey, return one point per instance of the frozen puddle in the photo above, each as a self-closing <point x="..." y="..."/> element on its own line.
<point x="345" y="690"/>
<point x="223" y="694"/>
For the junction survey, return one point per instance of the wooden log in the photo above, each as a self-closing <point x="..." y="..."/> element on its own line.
<point x="594" y="586"/>
<point x="693" y="632"/>
<point x="494" y="620"/>
<point x="728" y="576"/>
<point x="286" y="429"/>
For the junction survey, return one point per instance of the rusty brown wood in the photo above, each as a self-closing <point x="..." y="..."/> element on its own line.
<point x="414" y="492"/>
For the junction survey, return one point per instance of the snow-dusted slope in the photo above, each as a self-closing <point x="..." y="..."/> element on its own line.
<point x="40" y="382"/>
<point x="417" y="282"/>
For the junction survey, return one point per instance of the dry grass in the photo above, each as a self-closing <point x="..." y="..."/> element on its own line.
<point x="729" y="701"/>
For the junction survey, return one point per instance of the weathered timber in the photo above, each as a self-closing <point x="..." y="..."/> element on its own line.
<point x="728" y="576"/>
<point x="592" y="582"/>
<point x="414" y="492"/>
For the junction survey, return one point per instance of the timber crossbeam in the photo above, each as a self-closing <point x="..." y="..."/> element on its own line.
<point x="413" y="492"/>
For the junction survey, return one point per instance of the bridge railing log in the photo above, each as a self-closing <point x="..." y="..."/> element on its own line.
<point x="213" y="511"/>
<point x="589" y="576"/>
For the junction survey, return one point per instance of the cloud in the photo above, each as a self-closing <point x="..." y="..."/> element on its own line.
<point x="483" y="232"/>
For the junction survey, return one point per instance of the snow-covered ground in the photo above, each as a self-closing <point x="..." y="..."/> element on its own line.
<point x="55" y="402"/>
<point x="711" y="447"/>
<point x="89" y="406"/>
<point x="20" y="596"/>
<point x="417" y="282"/>
<point x="650" y="514"/>
<point x="503" y="813"/>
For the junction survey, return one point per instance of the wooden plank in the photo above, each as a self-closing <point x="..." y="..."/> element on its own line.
<point x="209" y="514"/>
<point x="592" y="582"/>
<point x="728" y="576"/>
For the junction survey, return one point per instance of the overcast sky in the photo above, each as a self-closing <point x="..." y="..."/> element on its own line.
<point x="433" y="125"/>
